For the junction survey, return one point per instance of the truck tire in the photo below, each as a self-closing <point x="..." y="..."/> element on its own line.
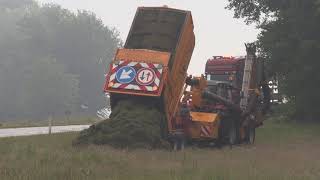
<point x="178" y="145"/>
<point x="251" y="135"/>
<point x="233" y="133"/>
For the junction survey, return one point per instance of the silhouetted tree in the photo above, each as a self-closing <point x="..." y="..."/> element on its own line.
<point x="51" y="60"/>
<point x="290" y="41"/>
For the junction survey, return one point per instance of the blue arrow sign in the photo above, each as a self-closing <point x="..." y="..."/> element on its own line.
<point x="125" y="74"/>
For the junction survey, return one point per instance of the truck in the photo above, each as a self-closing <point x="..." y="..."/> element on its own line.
<point x="152" y="66"/>
<point x="226" y="104"/>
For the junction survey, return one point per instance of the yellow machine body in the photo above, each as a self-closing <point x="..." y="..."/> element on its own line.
<point x="204" y="125"/>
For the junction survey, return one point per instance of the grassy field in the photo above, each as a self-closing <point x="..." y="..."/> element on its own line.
<point x="282" y="152"/>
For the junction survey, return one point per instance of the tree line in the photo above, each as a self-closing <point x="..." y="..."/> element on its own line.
<point x="290" y="43"/>
<point x="52" y="60"/>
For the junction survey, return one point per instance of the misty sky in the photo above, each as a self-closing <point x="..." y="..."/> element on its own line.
<point x="217" y="33"/>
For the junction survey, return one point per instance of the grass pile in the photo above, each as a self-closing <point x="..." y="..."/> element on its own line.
<point x="132" y="124"/>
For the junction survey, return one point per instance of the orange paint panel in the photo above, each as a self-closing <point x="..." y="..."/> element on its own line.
<point x="178" y="69"/>
<point x="195" y="130"/>
<point x="143" y="55"/>
<point x="204" y="117"/>
<point x="211" y="122"/>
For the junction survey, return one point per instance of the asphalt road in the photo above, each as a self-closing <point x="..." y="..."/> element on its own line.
<point x="11" y="132"/>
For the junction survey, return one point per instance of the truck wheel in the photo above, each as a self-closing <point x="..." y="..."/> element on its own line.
<point x="178" y="145"/>
<point x="233" y="134"/>
<point x="251" y="135"/>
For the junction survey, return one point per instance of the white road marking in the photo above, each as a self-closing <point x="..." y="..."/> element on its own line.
<point x="28" y="131"/>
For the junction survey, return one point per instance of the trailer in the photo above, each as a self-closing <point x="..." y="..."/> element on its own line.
<point x="154" y="60"/>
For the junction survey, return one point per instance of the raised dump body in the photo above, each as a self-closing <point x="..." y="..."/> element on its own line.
<point x="154" y="60"/>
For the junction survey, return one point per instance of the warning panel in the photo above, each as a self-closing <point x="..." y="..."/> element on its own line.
<point x="126" y="74"/>
<point x="145" y="76"/>
<point x="135" y="77"/>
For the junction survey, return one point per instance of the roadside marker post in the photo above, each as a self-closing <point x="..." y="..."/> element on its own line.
<point x="50" y="124"/>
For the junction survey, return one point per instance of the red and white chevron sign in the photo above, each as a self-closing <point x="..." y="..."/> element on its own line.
<point x="205" y="131"/>
<point x="135" y="76"/>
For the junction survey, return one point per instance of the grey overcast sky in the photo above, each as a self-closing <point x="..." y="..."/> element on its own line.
<point x="216" y="31"/>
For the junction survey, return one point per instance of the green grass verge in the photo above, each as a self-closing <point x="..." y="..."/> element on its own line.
<point x="282" y="152"/>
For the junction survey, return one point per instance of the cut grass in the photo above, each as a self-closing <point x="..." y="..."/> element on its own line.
<point x="283" y="152"/>
<point x="133" y="123"/>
